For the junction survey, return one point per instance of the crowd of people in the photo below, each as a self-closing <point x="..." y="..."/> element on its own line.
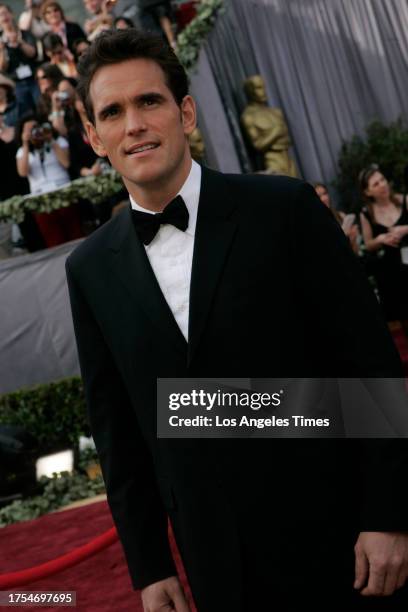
<point x="379" y="235"/>
<point x="43" y="142"/>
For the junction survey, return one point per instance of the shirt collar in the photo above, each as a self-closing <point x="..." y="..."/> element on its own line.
<point x="190" y="192"/>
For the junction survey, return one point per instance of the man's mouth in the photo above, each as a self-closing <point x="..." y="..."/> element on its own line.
<point x="141" y="148"/>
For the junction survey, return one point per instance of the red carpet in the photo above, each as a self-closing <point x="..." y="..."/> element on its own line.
<point x="101" y="582"/>
<point x="401" y="343"/>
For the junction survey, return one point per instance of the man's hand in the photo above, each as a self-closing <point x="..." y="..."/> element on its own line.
<point x="56" y="103"/>
<point x="165" y="596"/>
<point x="26" y="135"/>
<point x="96" y="169"/>
<point x="381" y="562"/>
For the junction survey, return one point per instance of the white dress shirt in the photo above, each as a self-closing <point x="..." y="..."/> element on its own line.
<point x="171" y="252"/>
<point x="49" y="174"/>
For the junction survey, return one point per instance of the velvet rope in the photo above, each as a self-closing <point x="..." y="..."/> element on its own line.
<point x="23" y="577"/>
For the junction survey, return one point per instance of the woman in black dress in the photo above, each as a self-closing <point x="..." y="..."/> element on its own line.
<point x="384" y="223"/>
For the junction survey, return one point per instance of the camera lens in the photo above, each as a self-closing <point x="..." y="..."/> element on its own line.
<point x="36" y="133"/>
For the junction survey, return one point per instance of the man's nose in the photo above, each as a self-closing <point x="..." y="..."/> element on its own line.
<point x="135" y="121"/>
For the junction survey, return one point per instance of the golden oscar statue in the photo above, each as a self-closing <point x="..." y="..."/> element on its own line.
<point x="197" y="146"/>
<point x="266" y="129"/>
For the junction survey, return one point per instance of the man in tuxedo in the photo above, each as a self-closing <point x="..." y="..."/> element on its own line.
<point x="208" y="274"/>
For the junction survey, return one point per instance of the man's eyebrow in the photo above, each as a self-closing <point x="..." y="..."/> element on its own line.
<point x="150" y="95"/>
<point x="107" y="108"/>
<point x="144" y="97"/>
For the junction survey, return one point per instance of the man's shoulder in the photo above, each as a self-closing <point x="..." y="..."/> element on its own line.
<point x="256" y="189"/>
<point x="94" y="247"/>
<point x="267" y="182"/>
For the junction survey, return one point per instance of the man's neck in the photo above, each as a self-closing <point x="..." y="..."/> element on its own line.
<point x="156" y="197"/>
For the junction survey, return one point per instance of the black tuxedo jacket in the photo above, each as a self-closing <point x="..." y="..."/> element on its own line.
<point x="275" y="291"/>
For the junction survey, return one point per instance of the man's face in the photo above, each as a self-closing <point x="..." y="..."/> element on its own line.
<point x="139" y="125"/>
<point x="56" y="55"/>
<point x="43" y="83"/>
<point x="6" y="17"/>
<point x="53" y="16"/>
<point x="378" y="186"/>
<point x="93" y="6"/>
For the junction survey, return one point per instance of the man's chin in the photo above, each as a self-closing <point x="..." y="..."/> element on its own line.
<point x="142" y="179"/>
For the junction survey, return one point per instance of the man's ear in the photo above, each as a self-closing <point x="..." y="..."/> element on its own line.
<point x="94" y="139"/>
<point x="188" y="114"/>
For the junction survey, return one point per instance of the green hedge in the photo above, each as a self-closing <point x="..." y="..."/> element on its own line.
<point x="53" y="413"/>
<point x="96" y="189"/>
<point x="57" y="492"/>
<point x="190" y="40"/>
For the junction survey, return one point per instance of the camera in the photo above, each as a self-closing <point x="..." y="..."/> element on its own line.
<point x="63" y="97"/>
<point x="39" y="134"/>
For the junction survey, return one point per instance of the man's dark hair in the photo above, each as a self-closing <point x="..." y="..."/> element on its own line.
<point x="128" y="21"/>
<point x="114" y="46"/>
<point x="51" y="72"/>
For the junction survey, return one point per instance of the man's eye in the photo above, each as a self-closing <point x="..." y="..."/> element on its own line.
<point x="110" y="112"/>
<point x="150" y="102"/>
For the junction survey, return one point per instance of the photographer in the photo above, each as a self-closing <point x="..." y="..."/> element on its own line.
<point x="54" y="17"/>
<point x="68" y="118"/>
<point x="48" y="76"/>
<point x="9" y="110"/>
<point x="31" y="20"/>
<point x="44" y="160"/>
<point x="99" y="17"/>
<point x="58" y="55"/>
<point x="60" y="108"/>
<point x="17" y="59"/>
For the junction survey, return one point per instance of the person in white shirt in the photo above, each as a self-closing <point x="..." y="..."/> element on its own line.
<point x="44" y="161"/>
<point x="31" y="20"/>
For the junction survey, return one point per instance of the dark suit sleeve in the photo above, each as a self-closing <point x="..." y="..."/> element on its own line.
<point x="126" y="463"/>
<point x="344" y="311"/>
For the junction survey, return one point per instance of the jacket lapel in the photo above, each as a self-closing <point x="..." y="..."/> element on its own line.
<point x="132" y="266"/>
<point x="216" y="225"/>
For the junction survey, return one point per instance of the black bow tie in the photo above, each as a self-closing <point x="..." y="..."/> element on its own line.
<point x="147" y="225"/>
